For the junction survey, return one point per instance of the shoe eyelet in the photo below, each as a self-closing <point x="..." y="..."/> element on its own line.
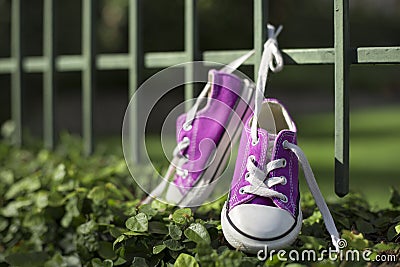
<point x="241" y="191"/>
<point x="247" y="176"/>
<point x="285" y="144"/>
<point x="254" y="143"/>
<point x="284" y="163"/>
<point x="284" y="180"/>
<point x="284" y="199"/>
<point x="185" y="174"/>
<point x="187" y="126"/>
<point x="252" y="158"/>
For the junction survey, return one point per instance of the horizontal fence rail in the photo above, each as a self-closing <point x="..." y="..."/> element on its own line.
<point x="304" y="56"/>
<point x="341" y="56"/>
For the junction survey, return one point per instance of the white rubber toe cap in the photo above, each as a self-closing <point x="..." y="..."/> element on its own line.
<point x="261" y="222"/>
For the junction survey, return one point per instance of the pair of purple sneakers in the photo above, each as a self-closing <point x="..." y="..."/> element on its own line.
<point x="263" y="205"/>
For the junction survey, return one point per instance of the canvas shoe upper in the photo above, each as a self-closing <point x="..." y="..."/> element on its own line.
<point x="205" y="135"/>
<point x="206" y="142"/>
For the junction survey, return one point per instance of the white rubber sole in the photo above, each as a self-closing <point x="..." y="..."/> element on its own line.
<point x="251" y="245"/>
<point x="205" y="185"/>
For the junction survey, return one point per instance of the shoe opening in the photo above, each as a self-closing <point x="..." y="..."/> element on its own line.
<point x="275" y="118"/>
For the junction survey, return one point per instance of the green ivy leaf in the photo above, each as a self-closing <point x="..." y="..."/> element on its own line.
<point x="139" y="262"/>
<point x="114" y="192"/>
<point x="134" y="233"/>
<point x="72" y="211"/>
<point x="397" y="228"/>
<point x="158" y="248"/>
<point x="87" y="227"/>
<point x="316" y="217"/>
<point x="116" y="231"/>
<point x="98" y="194"/>
<point x="385" y="246"/>
<point x="108" y="263"/>
<point x="96" y="262"/>
<point x="197" y="233"/>
<point x="181" y="216"/>
<point x="59" y="173"/>
<point x="355" y="241"/>
<point x="12" y="209"/>
<point x="67" y="186"/>
<point x="393" y="231"/>
<point x="28" y="184"/>
<point x="158" y="205"/>
<point x="106" y="250"/>
<point x="173" y="245"/>
<point x="137" y="223"/>
<point x="311" y="242"/>
<point x="119" y="240"/>
<point x="148" y="210"/>
<point x="185" y="260"/>
<point x="119" y="261"/>
<point x="42" y="199"/>
<point x="7" y="177"/>
<point x="56" y="261"/>
<point x="174" y="231"/>
<point x="27" y="259"/>
<point x="364" y="227"/>
<point x="3" y="224"/>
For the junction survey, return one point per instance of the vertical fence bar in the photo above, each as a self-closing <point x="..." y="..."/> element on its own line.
<point x="190" y="48"/>
<point x="342" y="67"/>
<point x="48" y="75"/>
<point x="16" y="76"/>
<point x="88" y="79"/>
<point x="136" y="64"/>
<point x="260" y="22"/>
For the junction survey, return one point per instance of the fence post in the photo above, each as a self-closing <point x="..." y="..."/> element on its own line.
<point x="190" y="48"/>
<point x="342" y="66"/>
<point x="88" y="79"/>
<point x="135" y="68"/>
<point x="17" y="75"/>
<point x="260" y="19"/>
<point x="48" y="74"/>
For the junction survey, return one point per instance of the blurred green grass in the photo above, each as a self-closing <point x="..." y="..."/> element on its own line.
<point x="374" y="151"/>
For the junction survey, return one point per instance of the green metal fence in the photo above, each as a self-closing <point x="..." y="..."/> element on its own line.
<point x="341" y="55"/>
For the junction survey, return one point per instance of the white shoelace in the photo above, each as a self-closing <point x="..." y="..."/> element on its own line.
<point x="271" y="59"/>
<point x="258" y="185"/>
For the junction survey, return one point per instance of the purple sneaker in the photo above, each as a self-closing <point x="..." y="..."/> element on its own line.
<point x="263" y="207"/>
<point x="204" y="138"/>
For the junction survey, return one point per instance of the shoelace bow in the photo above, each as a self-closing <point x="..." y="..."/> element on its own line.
<point x="271" y="59"/>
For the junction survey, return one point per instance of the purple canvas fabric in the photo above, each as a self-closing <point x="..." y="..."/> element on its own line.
<point x="259" y="151"/>
<point x="208" y="126"/>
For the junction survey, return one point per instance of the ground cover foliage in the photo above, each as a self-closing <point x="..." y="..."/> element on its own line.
<point x="59" y="208"/>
